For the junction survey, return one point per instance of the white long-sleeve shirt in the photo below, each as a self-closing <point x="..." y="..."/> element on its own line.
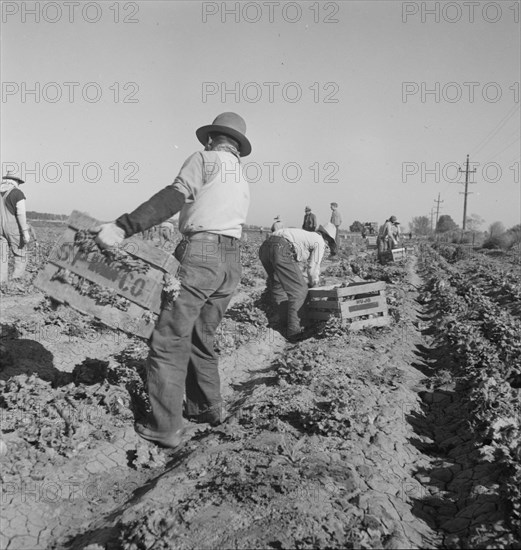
<point x="216" y="192"/>
<point x="309" y="247"/>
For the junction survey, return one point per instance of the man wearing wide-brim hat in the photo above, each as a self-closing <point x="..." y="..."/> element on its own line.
<point x="280" y="255"/>
<point x="212" y="197"/>
<point x="15" y="234"/>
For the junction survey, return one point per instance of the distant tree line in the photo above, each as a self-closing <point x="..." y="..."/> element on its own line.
<point x="32" y="215"/>
<point x="448" y="230"/>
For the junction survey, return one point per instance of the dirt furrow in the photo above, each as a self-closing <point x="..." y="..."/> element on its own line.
<point x="367" y="480"/>
<point x="464" y="502"/>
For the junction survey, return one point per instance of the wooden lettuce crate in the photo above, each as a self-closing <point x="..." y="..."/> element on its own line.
<point x="140" y="291"/>
<point x="371" y="241"/>
<point x="395" y="255"/>
<point x="359" y="304"/>
<point x="399" y="254"/>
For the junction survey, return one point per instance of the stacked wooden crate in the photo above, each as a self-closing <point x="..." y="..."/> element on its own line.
<point x="371" y="241"/>
<point x="359" y="304"/>
<point x="399" y="254"/>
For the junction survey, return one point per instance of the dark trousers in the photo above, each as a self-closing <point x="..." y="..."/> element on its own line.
<point x="285" y="280"/>
<point x="182" y="356"/>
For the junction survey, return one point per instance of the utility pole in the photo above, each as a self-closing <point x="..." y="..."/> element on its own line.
<point x="432" y="217"/>
<point x="437" y="208"/>
<point x="467" y="172"/>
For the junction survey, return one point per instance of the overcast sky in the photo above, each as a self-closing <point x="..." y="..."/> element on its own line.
<point x="370" y="104"/>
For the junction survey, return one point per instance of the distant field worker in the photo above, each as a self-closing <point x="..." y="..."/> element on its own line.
<point x="280" y="255"/>
<point x="277" y="224"/>
<point x="336" y="219"/>
<point x="15" y="233"/>
<point x="389" y="235"/>
<point x="310" y="220"/>
<point x="213" y="197"/>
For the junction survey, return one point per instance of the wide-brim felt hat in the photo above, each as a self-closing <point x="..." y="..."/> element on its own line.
<point x="229" y="124"/>
<point x="9" y="176"/>
<point x="329" y="229"/>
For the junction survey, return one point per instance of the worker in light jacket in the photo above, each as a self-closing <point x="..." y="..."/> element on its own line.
<point x="280" y="255"/>
<point x="336" y="219"/>
<point x="212" y="196"/>
<point x="15" y="233"/>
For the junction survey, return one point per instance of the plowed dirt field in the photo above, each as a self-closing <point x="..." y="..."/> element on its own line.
<point x="405" y="436"/>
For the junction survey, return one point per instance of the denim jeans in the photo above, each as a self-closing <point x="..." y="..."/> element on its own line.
<point x="285" y="280"/>
<point x="182" y="355"/>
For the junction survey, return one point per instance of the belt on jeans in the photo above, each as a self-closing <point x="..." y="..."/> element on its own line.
<point x="213" y="237"/>
<point x="281" y="237"/>
<point x="291" y="245"/>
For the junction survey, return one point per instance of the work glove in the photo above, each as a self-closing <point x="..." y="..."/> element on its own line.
<point x="108" y="235"/>
<point x="26" y="236"/>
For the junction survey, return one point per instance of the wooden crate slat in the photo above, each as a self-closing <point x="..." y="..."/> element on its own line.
<point x="80" y="220"/>
<point x="324" y="304"/>
<point x="128" y="321"/>
<point x="361" y="288"/>
<point x="362" y="307"/>
<point x="351" y="290"/>
<point x="321" y="293"/>
<point x="134" y="245"/>
<point x="151" y="254"/>
<point x="141" y="288"/>
<point x="381" y="284"/>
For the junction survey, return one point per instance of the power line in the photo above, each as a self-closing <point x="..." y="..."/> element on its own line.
<point x="514" y="133"/>
<point x="495" y="130"/>
<point x="505" y="148"/>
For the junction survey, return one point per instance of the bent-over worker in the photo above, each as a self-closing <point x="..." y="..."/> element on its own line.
<point x="280" y="255"/>
<point x="390" y="233"/>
